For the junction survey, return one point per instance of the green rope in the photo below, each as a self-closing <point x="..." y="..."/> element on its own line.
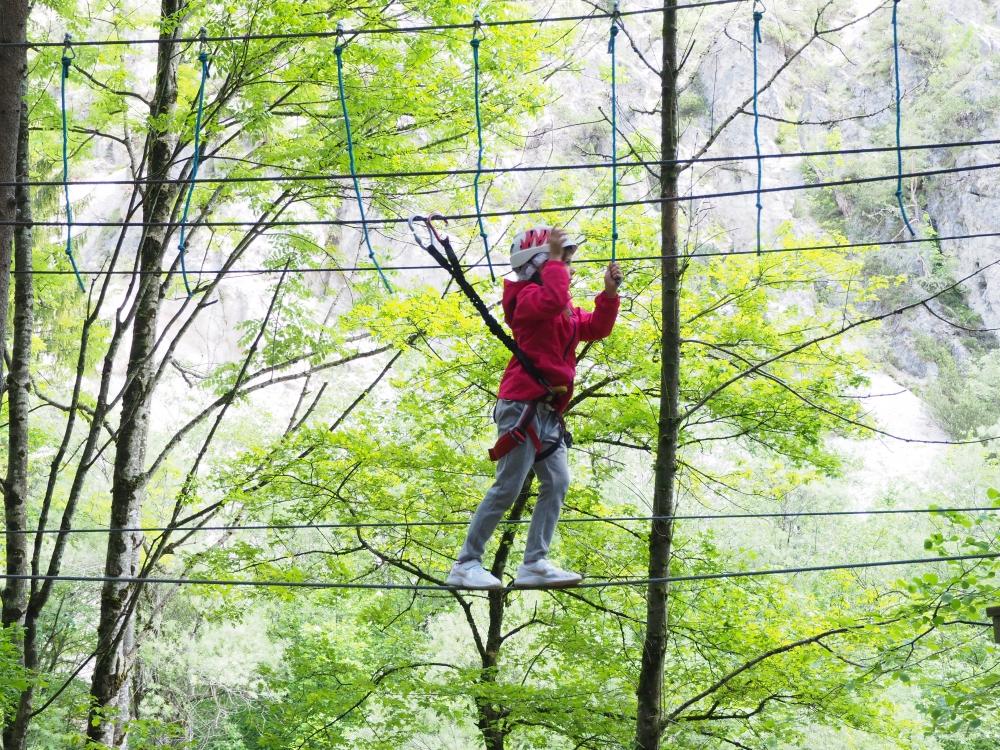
<point x="614" y="136"/>
<point x="757" y="38"/>
<point x="899" y="121"/>
<point x="67" y="61"/>
<point x="479" y="139"/>
<point x="339" y="51"/>
<point x="195" y="162"/>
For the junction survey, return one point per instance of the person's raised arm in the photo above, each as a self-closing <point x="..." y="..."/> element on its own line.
<point x="598" y="324"/>
<point x="548" y="299"/>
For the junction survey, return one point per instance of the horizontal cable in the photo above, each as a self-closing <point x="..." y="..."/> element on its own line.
<point x="506" y="170"/>
<point x="441" y="587"/>
<point x="384" y="30"/>
<point x="564" y="520"/>
<point x="237" y="272"/>
<point x="518" y="212"/>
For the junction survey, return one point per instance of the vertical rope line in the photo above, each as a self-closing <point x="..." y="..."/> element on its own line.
<point x="195" y="163"/>
<point x="479" y="139"/>
<point x="899" y="120"/>
<point x="757" y="38"/>
<point x="67" y="61"/>
<point x="339" y="52"/>
<point x="614" y="136"/>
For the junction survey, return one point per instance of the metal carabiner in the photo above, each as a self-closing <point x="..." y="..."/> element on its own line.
<point x="432" y="233"/>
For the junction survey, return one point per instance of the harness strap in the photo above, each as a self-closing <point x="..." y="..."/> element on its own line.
<point x="524" y="430"/>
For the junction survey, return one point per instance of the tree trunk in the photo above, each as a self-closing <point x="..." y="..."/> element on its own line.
<point x="490" y="715"/>
<point x="650" y="689"/>
<point x="13" y="67"/>
<point x="128" y="483"/>
<point x="16" y="490"/>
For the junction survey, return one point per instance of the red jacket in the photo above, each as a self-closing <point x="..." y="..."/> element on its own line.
<point x="547" y="328"/>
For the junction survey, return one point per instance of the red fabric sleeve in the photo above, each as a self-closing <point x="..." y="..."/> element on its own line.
<point x="545" y="301"/>
<point x="598" y="324"/>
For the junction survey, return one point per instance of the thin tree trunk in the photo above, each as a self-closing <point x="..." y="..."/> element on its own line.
<point x="13" y="66"/>
<point x="649" y="725"/>
<point x="128" y="483"/>
<point x="491" y="715"/>
<point x="16" y="490"/>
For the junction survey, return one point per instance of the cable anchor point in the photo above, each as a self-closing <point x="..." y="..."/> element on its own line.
<point x="69" y="54"/>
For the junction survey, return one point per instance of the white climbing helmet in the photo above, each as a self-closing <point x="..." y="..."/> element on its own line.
<point x="528" y="244"/>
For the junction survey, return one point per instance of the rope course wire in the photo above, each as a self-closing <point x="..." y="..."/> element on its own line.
<point x="506" y="170"/>
<point x="610" y="582"/>
<point x="529" y="211"/>
<point x="899" y="119"/>
<point x="758" y="15"/>
<point x="511" y="522"/>
<point x="577" y="261"/>
<point x="195" y="159"/>
<point x="614" y="205"/>
<point x="67" y="62"/>
<point x="339" y="52"/>
<point x="385" y="30"/>
<point x="474" y="42"/>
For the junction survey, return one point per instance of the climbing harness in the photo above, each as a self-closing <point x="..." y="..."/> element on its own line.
<point x="438" y="246"/>
<point x="614" y="132"/>
<point x="476" y="27"/>
<point x="525" y="430"/>
<point x="195" y="158"/>
<point x="67" y="61"/>
<point x="899" y="121"/>
<point x="339" y="52"/>
<point x="757" y="38"/>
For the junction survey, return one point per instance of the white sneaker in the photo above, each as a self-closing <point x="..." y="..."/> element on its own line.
<point x="472" y="575"/>
<point x="543" y="573"/>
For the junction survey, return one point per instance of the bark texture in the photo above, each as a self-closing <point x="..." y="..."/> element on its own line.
<point x="109" y="706"/>
<point x="13" y="66"/>
<point x="649" y="723"/>
<point x="18" y="557"/>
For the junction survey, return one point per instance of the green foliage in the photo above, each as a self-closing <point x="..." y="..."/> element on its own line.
<point x="766" y="386"/>
<point x="964" y="396"/>
<point x="13" y="678"/>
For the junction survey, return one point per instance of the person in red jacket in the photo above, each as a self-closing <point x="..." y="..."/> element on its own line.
<point x="547" y="328"/>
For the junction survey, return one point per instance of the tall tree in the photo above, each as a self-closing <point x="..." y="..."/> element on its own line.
<point x="650" y="685"/>
<point x="18" y="405"/>
<point x="13" y="68"/>
<point x="114" y="631"/>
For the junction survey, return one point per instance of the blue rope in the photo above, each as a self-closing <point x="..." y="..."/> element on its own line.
<point x="195" y="162"/>
<point x="899" y="122"/>
<point x="67" y="61"/>
<point x="479" y="159"/>
<point x="614" y="136"/>
<point x="757" y="16"/>
<point x="339" y="51"/>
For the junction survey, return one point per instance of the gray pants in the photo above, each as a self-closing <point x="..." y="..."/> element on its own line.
<point x="512" y="470"/>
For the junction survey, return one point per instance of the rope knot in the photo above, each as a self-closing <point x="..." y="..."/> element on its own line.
<point x="475" y="42"/>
